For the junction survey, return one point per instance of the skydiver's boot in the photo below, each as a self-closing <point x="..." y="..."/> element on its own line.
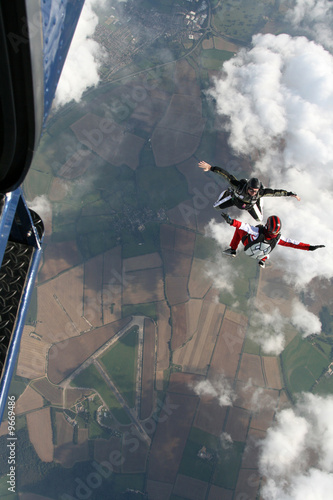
<point x="230" y="251"/>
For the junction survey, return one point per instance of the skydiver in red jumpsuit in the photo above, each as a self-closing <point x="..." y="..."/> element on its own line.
<point x="260" y="241"/>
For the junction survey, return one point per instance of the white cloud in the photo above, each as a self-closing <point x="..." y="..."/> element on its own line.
<point x="268" y="330"/>
<point x="260" y="400"/>
<point x="278" y="97"/>
<point x="296" y="456"/>
<point x="226" y="440"/>
<point x="42" y="206"/>
<point x="221" y="270"/>
<point x="315" y="19"/>
<point x="84" y="58"/>
<point x="219" y="388"/>
<point x="305" y="320"/>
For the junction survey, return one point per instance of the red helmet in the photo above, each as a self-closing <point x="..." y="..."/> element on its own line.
<point x="273" y="225"/>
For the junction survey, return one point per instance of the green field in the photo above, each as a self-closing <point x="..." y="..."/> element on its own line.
<point x="228" y="465"/>
<point x="91" y="378"/>
<point x="212" y="59"/>
<point x="251" y="347"/>
<point x="324" y="386"/>
<point x="224" y="465"/>
<point x="120" y="361"/>
<point x="191" y="464"/>
<point x="148" y="310"/>
<point x="302" y="364"/>
<point x="241" y="19"/>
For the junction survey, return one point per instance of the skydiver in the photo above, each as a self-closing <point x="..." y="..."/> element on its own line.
<point x="244" y="193"/>
<point x="259" y="241"/>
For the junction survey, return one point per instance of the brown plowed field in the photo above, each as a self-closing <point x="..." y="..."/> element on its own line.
<point x="109" y="140"/>
<point x="227" y="350"/>
<point x="176" y="290"/>
<point x="32" y="356"/>
<point x="217" y="493"/>
<point x="135" y="460"/>
<point x="113" y="282"/>
<point x="195" y="355"/>
<point x="199" y="283"/>
<point x="272" y="371"/>
<point x="237" y="423"/>
<point x="251" y="456"/>
<point x="143" y="285"/>
<point x="183" y="126"/>
<point x="263" y="419"/>
<point x="251" y="397"/>
<point x="40" y="433"/>
<point x="92" y="285"/>
<point x="147" y="261"/>
<point x="176" y="263"/>
<point x="64" y="430"/>
<point x="29" y="400"/>
<point x="183" y="383"/>
<point x="60" y="307"/>
<point x="103" y="448"/>
<point x="247" y="484"/>
<point x="57" y="258"/>
<point x="159" y="491"/>
<point x="185" y="78"/>
<point x="184" y="241"/>
<point x="188" y="487"/>
<point x="68" y="454"/>
<point x="52" y="393"/>
<point x="163" y="339"/>
<point x="183" y="214"/>
<point x="221" y="44"/>
<point x="167" y="237"/>
<point x="170" y="437"/>
<point x="210" y="415"/>
<point x="250" y="368"/>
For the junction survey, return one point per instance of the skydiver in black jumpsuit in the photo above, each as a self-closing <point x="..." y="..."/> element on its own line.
<point x="244" y="193"/>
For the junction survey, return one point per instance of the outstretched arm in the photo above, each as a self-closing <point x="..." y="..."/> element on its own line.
<point x="286" y="242"/>
<point x="279" y="192"/>
<point x="218" y="170"/>
<point x="244" y="226"/>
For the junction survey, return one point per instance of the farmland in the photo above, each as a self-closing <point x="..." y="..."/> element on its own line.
<point x="129" y="318"/>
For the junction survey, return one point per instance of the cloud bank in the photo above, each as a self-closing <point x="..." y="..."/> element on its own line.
<point x="296" y="456"/>
<point x="84" y="58"/>
<point x="315" y="19"/>
<point x="278" y="98"/>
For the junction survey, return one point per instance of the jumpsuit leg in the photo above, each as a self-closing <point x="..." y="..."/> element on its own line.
<point x="238" y="234"/>
<point x="224" y="200"/>
<point x="256" y="212"/>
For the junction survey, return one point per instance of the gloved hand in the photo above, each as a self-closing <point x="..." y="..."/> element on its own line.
<point x="291" y="193"/>
<point x="227" y="218"/>
<point x="314" y="247"/>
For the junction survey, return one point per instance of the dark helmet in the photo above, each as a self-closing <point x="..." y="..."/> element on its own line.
<point x="254" y="183"/>
<point x="273" y="225"/>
